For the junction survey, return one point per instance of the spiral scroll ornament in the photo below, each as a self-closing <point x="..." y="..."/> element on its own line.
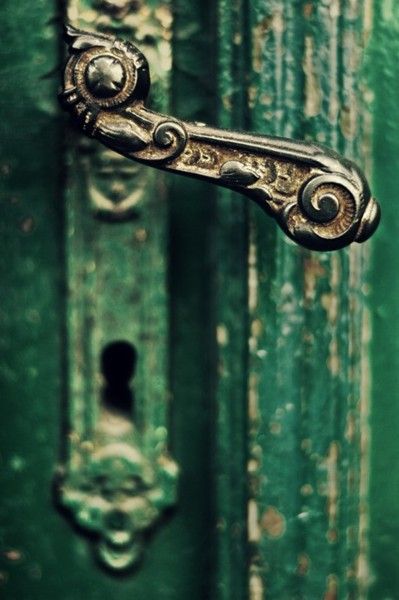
<point x="171" y="138"/>
<point x="330" y="213"/>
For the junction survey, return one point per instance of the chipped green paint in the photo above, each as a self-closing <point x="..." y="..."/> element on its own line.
<point x="305" y="317"/>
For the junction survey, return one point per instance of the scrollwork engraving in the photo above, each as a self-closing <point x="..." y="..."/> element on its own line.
<point x="278" y="174"/>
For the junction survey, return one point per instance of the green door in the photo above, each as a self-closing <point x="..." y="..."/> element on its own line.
<point x="192" y="405"/>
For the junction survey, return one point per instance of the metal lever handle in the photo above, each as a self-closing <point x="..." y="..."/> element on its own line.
<point x="320" y="199"/>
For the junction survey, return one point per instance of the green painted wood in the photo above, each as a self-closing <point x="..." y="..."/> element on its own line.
<point x="306" y="405"/>
<point x="31" y="347"/>
<point x="192" y="356"/>
<point x="383" y="77"/>
<point x="230" y="322"/>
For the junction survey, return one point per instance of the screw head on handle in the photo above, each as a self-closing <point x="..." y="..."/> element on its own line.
<point x="105" y="76"/>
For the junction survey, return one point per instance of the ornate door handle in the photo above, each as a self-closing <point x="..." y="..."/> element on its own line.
<point x="321" y="200"/>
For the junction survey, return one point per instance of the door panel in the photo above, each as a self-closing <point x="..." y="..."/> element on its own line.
<point x="307" y="354"/>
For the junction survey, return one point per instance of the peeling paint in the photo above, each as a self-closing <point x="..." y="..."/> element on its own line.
<point x="253" y="399"/>
<point x="307" y="490"/>
<point x="13" y="555"/>
<point x="141" y="235"/>
<point x="350" y="431"/>
<point x="313" y="272"/>
<point x="332" y="588"/>
<point x="332" y="490"/>
<point x="253" y="283"/>
<point x="273" y="523"/>
<point x="312" y="85"/>
<point x="334" y="360"/>
<point x="303" y="565"/>
<point x="222" y="335"/>
<point x="254" y="530"/>
<point x="330" y="303"/>
<point x="275" y="428"/>
<point x="256" y="587"/>
<point x="259" y="33"/>
<point x="308" y="10"/>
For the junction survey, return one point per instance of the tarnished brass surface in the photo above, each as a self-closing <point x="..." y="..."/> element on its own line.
<point x="321" y="200"/>
<point x="117" y="482"/>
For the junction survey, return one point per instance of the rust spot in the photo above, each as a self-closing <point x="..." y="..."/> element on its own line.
<point x="303" y="565"/>
<point x="332" y="489"/>
<point x="273" y="523"/>
<point x="332" y="536"/>
<point x="332" y="588"/>
<point x="308" y="10"/>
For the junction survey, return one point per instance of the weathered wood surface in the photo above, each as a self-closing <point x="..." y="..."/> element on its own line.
<point x="307" y="329"/>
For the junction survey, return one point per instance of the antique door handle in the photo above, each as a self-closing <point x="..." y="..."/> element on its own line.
<point x="321" y="200"/>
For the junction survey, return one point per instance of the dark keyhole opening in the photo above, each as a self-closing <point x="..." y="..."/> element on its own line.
<point x="118" y="365"/>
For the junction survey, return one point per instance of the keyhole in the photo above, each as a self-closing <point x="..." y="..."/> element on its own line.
<point x="118" y="365"/>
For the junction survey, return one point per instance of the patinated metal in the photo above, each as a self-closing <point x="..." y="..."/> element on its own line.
<point x="117" y="490"/>
<point x="321" y="200"/>
<point x="116" y="477"/>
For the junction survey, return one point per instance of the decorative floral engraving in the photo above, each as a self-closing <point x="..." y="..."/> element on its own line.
<point x="278" y="174"/>
<point x="117" y="194"/>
